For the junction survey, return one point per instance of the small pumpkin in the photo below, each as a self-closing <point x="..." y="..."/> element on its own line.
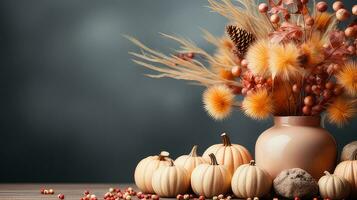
<point x="145" y="169"/>
<point x="250" y="181"/>
<point x="333" y="187"/>
<point x="348" y="150"/>
<point x="169" y="181"/>
<point x="190" y="161"/>
<point x="348" y="170"/>
<point x="228" y="154"/>
<point x="210" y="179"/>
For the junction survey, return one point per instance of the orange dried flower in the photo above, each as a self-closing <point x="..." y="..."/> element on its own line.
<point x="312" y="50"/>
<point x="226" y="74"/>
<point x="341" y="110"/>
<point x="347" y="77"/>
<point x="258" y="105"/>
<point x="258" y="57"/>
<point x="218" y="101"/>
<point x="284" y="61"/>
<point x="322" y="21"/>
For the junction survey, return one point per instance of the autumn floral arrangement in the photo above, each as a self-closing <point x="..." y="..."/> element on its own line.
<point x="279" y="58"/>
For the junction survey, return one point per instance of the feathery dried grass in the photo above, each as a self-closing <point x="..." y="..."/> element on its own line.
<point x="246" y="17"/>
<point x="175" y="67"/>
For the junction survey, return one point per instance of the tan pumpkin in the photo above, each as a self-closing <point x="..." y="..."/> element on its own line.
<point x="210" y="179"/>
<point x="169" y="181"/>
<point x="145" y="169"/>
<point x="348" y="170"/>
<point x="250" y="181"/>
<point x="333" y="187"/>
<point x="348" y="150"/>
<point x="190" y="161"/>
<point x="228" y="154"/>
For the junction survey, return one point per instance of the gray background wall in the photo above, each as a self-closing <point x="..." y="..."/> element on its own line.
<point x="73" y="106"/>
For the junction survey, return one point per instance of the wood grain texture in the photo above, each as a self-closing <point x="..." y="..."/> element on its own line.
<point x="71" y="191"/>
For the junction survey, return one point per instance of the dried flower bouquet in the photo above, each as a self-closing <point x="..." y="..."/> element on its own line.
<point x="285" y="58"/>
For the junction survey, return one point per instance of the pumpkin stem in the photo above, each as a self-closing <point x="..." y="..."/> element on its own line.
<point x="172" y="163"/>
<point x="213" y="159"/>
<point x="163" y="155"/>
<point x="327" y="173"/>
<point x="252" y="163"/>
<point x="193" y="152"/>
<point x="226" y="140"/>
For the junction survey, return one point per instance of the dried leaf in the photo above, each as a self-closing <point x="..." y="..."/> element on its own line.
<point x="287" y="31"/>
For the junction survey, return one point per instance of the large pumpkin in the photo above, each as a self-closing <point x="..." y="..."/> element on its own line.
<point x="228" y="154"/>
<point x="210" y="179"/>
<point x="348" y="170"/>
<point x="190" y="161"/>
<point x="333" y="187"/>
<point x="145" y="169"/>
<point x="250" y="181"/>
<point x="169" y="181"/>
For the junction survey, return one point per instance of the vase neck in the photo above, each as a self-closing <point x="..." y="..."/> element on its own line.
<point x="297" y="121"/>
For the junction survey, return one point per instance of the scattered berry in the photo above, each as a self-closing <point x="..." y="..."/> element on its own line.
<point x="51" y="191"/>
<point x="60" y="196"/>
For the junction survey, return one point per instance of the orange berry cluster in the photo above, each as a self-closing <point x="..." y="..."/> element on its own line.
<point x="201" y="197"/>
<point x="318" y="91"/>
<point x="251" y="83"/>
<point x="88" y="196"/>
<point x="128" y="194"/>
<point x="46" y="191"/>
<point x="143" y="196"/>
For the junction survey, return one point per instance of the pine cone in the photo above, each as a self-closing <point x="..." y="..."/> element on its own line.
<point x="241" y="39"/>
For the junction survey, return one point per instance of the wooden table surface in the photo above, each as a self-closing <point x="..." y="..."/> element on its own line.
<point x="71" y="191"/>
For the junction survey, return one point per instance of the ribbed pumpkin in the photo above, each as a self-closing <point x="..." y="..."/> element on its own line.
<point x="190" y="161"/>
<point x="333" y="187"/>
<point x="228" y="154"/>
<point x="348" y="150"/>
<point x="169" y="181"/>
<point x="210" y="179"/>
<point x="145" y="169"/>
<point x="348" y="170"/>
<point x="250" y="181"/>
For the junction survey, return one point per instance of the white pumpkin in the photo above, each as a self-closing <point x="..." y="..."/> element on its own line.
<point x="333" y="187"/>
<point x="348" y="170"/>
<point x="145" y="169"/>
<point x="169" y="181"/>
<point x="210" y="179"/>
<point x="190" y="161"/>
<point x="228" y="154"/>
<point x="250" y="181"/>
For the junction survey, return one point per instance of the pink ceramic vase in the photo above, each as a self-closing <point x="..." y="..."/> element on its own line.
<point x="296" y="141"/>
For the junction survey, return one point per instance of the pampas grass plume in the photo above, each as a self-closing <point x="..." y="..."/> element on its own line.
<point x="341" y="110"/>
<point x="347" y="77"/>
<point x="258" y="57"/>
<point x="284" y="61"/>
<point x="258" y="105"/>
<point x="313" y="51"/>
<point x="218" y="101"/>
